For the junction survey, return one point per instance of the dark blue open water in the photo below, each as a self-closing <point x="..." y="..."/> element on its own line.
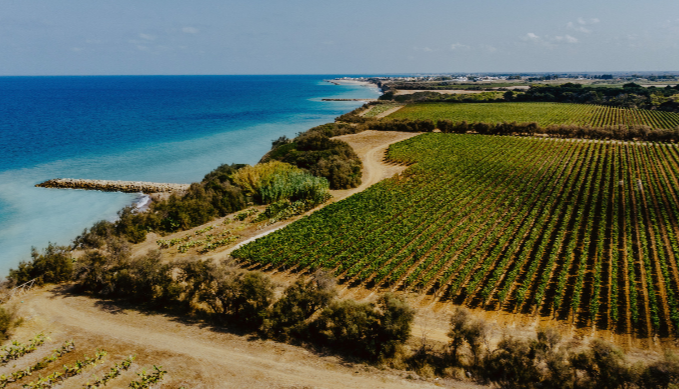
<point x="150" y="128"/>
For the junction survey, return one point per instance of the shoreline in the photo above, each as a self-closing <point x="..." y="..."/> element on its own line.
<point x="35" y="216"/>
<point x="344" y="81"/>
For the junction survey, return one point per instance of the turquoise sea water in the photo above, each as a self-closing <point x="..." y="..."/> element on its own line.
<point x="162" y="129"/>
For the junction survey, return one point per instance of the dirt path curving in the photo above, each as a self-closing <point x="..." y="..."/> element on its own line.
<point x="371" y="147"/>
<point x="387" y="113"/>
<point x="196" y="355"/>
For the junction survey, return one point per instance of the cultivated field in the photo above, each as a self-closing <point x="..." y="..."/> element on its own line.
<point x="581" y="231"/>
<point x="542" y="113"/>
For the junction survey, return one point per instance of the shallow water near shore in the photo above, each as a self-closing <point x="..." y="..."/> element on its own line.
<point x="161" y="129"/>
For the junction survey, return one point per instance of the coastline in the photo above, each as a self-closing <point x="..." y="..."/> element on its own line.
<point x="345" y="81"/>
<point x="180" y="142"/>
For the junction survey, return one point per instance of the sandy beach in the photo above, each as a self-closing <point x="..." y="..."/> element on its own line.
<point x="343" y="81"/>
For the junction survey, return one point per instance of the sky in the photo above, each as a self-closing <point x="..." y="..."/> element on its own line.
<point x="158" y="37"/>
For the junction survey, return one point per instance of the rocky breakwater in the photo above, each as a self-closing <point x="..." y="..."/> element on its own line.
<point x="113" y="186"/>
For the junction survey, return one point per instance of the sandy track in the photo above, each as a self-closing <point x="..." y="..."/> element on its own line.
<point x="196" y="355"/>
<point x="371" y="147"/>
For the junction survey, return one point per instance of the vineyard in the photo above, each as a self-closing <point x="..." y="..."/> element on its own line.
<point x="58" y="366"/>
<point x="583" y="231"/>
<point x="542" y="113"/>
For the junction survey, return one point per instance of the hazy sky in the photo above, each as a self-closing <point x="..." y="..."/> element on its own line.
<point x="85" y="37"/>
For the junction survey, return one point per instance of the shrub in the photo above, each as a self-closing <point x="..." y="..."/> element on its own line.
<point x="252" y="178"/>
<point x="661" y="374"/>
<point x="512" y="365"/>
<point x="300" y="301"/>
<point x="315" y="151"/>
<point x="602" y="366"/>
<point x="8" y="322"/>
<point x="295" y="185"/>
<point x="96" y="236"/>
<point x="144" y="280"/>
<point x="273" y="181"/>
<point x="238" y="297"/>
<point x="53" y="265"/>
<point x="370" y="331"/>
<point x="463" y="329"/>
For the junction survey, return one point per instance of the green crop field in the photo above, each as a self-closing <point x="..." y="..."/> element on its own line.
<point x="542" y="113"/>
<point x="578" y="230"/>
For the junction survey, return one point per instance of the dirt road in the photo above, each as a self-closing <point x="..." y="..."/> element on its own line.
<point x="196" y="355"/>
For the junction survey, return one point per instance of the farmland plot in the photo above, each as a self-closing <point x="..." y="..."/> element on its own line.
<point x="582" y="231"/>
<point x="542" y="113"/>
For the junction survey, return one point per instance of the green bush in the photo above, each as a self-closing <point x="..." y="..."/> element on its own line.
<point x="316" y="152"/>
<point x="661" y="374"/>
<point x="238" y="297"/>
<point x="513" y="364"/>
<point x="53" y="265"/>
<point x="215" y="196"/>
<point x="290" y="314"/>
<point x="96" y="236"/>
<point x="144" y="280"/>
<point x="295" y="186"/>
<point x="370" y="331"/>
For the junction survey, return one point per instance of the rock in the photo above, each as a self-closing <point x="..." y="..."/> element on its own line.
<point x="113" y="186"/>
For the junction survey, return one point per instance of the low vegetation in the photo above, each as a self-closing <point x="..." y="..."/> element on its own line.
<point x="306" y="312"/>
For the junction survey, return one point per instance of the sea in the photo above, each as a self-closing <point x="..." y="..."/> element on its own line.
<point x="171" y="129"/>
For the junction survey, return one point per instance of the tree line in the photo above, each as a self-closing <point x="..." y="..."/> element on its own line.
<point x="630" y="95"/>
<point x="623" y="133"/>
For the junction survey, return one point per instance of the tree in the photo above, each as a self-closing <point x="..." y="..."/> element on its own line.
<point x="370" y="331"/>
<point x="238" y="297"/>
<point x="300" y="301"/>
<point x="53" y="265"/>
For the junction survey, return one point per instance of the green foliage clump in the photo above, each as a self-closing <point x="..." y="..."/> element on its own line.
<point x="53" y="265"/>
<point x="215" y="196"/>
<point x="141" y="280"/>
<point x="289" y="315"/>
<point x="316" y="152"/>
<point x="546" y="362"/>
<point x="225" y="190"/>
<point x="370" y="331"/>
<point x="273" y="181"/>
<point x="245" y="300"/>
<point x="238" y="297"/>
